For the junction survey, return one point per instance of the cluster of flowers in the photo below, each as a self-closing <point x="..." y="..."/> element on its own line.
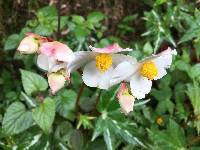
<point x="103" y="67"/>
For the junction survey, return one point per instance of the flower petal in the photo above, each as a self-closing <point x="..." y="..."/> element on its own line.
<point x="114" y="48"/>
<point x="163" y="61"/>
<point x="140" y="86"/>
<point x="44" y="62"/>
<point x="118" y="58"/>
<point x="126" y="103"/>
<point x="81" y="58"/>
<point x="56" y="81"/>
<point x="94" y="78"/>
<point x="123" y="72"/>
<point x="57" y="50"/>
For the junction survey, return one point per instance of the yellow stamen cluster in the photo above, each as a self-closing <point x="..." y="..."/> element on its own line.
<point x="149" y="70"/>
<point x="103" y="62"/>
<point x="159" y="121"/>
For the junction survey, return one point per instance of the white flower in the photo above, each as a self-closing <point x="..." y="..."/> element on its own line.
<point x="141" y="74"/>
<point x="126" y="100"/>
<point x="100" y="64"/>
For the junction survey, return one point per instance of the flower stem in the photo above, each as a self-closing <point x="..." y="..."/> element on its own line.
<point x="79" y="96"/>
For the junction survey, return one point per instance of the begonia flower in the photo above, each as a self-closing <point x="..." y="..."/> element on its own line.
<point x="100" y="63"/>
<point x="141" y="74"/>
<point x="54" y="58"/>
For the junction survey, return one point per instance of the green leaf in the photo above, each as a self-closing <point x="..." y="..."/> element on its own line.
<point x="65" y="104"/>
<point x="16" y="119"/>
<point x="108" y="139"/>
<point x="76" y="140"/>
<point x="95" y="17"/>
<point x="148" y="49"/>
<point x="12" y="42"/>
<point x="48" y="11"/>
<point x="33" y="82"/>
<point x="78" y="19"/>
<point x="172" y="138"/>
<point x="44" y="114"/>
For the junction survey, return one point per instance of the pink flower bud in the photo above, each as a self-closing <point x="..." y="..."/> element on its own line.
<point x="56" y="81"/>
<point x="28" y="45"/>
<point x="126" y="100"/>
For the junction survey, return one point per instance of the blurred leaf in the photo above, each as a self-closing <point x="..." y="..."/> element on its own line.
<point x="76" y="140"/>
<point x="44" y="114"/>
<point x="78" y="19"/>
<point x="12" y="42"/>
<point x="16" y="119"/>
<point x="32" y="82"/>
<point x="193" y="92"/>
<point x="148" y="49"/>
<point x="172" y="138"/>
<point x="159" y="2"/>
<point x="95" y="17"/>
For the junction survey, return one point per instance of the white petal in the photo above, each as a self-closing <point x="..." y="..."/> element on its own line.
<point x="90" y="75"/>
<point x="44" y="62"/>
<point x="140" y="86"/>
<point x="123" y="71"/>
<point x="118" y="58"/>
<point x="81" y="58"/>
<point x="94" y="78"/>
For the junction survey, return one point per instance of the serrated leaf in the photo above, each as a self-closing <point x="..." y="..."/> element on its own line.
<point x="44" y="114"/>
<point x="16" y="119"/>
<point x="12" y="42"/>
<point x="33" y="82"/>
<point x="65" y="104"/>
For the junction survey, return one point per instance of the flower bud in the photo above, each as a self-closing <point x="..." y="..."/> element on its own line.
<point x="56" y="81"/>
<point x="28" y="45"/>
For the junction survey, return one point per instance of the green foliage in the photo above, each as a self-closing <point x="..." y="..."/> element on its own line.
<point x="33" y="82"/>
<point x="16" y="119"/>
<point x="44" y="114"/>
<point x="168" y="119"/>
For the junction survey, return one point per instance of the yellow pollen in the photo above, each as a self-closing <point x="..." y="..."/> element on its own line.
<point x="149" y="70"/>
<point x="103" y="62"/>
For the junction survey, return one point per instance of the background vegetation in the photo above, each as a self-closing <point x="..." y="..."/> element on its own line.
<point x="32" y="118"/>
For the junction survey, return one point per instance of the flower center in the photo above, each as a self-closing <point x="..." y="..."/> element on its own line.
<point x="103" y="62"/>
<point x="149" y="70"/>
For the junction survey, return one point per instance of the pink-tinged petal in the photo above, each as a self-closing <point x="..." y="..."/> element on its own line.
<point x="114" y="48"/>
<point x="57" y="50"/>
<point x="123" y="89"/>
<point x="28" y="45"/>
<point x="126" y="103"/>
<point x="56" y="81"/>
